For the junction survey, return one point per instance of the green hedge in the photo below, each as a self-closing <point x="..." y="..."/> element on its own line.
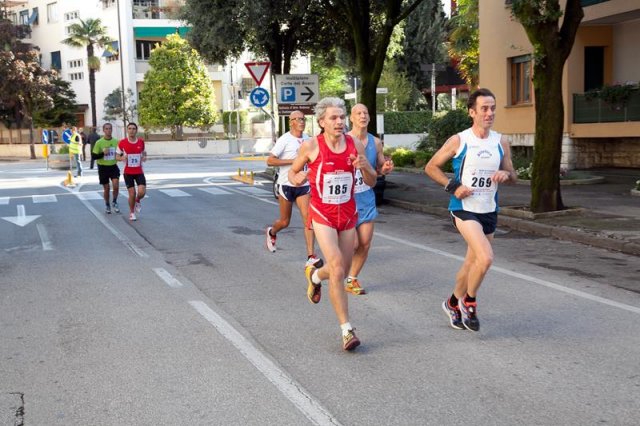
<point x="403" y="157"/>
<point x="443" y="127"/>
<point x="406" y="122"/>
<point x="227" y="115"/>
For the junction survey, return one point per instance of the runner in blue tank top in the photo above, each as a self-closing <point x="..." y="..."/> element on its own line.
<point x="365" y="197"/>
<point x="481" y="161"/>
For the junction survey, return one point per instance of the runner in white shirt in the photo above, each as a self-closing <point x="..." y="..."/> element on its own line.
<point x="282" y="155"/>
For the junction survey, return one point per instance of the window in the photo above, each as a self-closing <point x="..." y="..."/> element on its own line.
<point x="247" y="85"/>
<point x="76" y="76"/>
<point x="33" y="20"/>
<point x="76" y="63"/>
<point x="108" y="3"/>
<point x="52" y="12"/>
<point x="69" y="16"/>
<point x="144" y="48"/>
<point x="521" y="81"/>
<point x="24" y="17"/>
<point x="56" y="62"/>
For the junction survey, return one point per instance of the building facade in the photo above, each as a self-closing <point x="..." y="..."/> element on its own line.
<point x="596" y="133"/>
<point x="135" y="26"/>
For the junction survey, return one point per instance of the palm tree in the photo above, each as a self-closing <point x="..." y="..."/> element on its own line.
<point x="89" y="33"/>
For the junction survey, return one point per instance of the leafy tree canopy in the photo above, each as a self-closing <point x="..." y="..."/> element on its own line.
<point x="64" y="106"/>
<point x="113" y="105"/>
<point x="177" y="89"/>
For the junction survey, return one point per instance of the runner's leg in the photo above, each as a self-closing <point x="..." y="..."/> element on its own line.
<point x="303" y="205"/>
<point x="364" y="237"/>
<point x="479" y="254"/>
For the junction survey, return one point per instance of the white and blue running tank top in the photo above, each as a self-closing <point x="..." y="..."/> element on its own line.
<point x="474" y="163"/>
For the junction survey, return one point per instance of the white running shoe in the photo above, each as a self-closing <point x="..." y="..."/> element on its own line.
<point x="138" y="207"/>
<point x="271" y="241"/>
<point x="132" y="217"/>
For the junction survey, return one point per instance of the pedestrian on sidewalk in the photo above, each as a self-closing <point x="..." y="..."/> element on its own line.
<point x="332" y="159"/>
<point x="131" y="150"/>
<point x="92" y="139"/>
<point x="481" y="161"/>
<point x="104" y="153"/>
<point x="282" y="156"/>
<point x="364" y="194"/>
<point x="75" y="147"/>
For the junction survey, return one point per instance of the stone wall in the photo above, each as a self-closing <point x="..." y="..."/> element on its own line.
<point x="603" y="152"/>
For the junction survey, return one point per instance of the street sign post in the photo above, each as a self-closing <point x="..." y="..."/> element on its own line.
<point x="258" y="70"/>
<point x="66" y="136"/>
<point x="297" y="88"/>
<point x="259" y="97"/>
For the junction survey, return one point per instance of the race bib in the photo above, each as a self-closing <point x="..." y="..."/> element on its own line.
<point x="360" y="185"/>
<point x="111" y="154"/>
<point x="133" y="160"/>
<point x="337" y="187"/>
<point x="480" y="181"/>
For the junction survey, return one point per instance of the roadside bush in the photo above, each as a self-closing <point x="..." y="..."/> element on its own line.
<point x="445" y="126"/>
<point x="403" y="157"/>
<point x="398" y="122"/>
<point x="230" y="116"/>
<point x="64" y="149"/>
<point x="422" y="158"/>
<point x="524" y="172"/>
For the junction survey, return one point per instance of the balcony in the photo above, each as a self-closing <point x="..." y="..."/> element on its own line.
<point x="155" y="9"/>
<point x="586" y="110"/>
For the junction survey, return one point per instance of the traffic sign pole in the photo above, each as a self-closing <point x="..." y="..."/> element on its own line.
<point x="273" y="116"/>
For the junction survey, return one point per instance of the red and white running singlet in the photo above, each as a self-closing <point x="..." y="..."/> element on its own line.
<point x="331" y="176"/>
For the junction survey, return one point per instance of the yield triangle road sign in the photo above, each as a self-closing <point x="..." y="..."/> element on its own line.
<point x="258" y="70"/>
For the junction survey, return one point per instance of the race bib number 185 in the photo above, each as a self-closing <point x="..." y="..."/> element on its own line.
<point x="337" y="188"/>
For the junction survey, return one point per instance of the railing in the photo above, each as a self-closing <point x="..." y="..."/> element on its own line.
<point x="598" y="111"/>
<point x="586" y="3"/>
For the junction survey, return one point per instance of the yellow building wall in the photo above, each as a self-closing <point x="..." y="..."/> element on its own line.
<point x="217" y="91"/>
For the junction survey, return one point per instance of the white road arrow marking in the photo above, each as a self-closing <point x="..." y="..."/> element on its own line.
<point x="21" y="219"/>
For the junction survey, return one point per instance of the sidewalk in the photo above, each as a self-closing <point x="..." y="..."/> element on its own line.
<point x="609" y="216"/>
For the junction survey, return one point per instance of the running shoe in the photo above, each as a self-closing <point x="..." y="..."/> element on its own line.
<point x="271" y="241"/>
<point x="353" y="287"/>
<point x="453" y="314"/>
<point x="313" y="290"/>
<point x="107" y="209"/>
<point x="314" y="261"/>
<point x="138" y="207"/>
<point x="116" y="208"/>
<point x="469" y="318"/>
<point x="132" y="217"/>
<point x="350" y="341"/>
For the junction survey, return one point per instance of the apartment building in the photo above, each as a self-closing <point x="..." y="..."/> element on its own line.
<point x="135" y="26"/>
<point x="596" y="134"/>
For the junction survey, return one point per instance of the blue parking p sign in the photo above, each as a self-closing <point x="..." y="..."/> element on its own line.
<point x="288" y="94"/>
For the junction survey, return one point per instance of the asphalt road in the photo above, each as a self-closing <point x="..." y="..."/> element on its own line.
<point x="184" y="317"/>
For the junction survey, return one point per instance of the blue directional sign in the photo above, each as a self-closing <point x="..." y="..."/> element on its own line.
<point x="259" y="97"/>
<point x="66" y="136"/>
<point x="45" y="136"/>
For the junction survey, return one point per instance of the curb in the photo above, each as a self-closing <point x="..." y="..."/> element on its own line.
<point x="554" y="231"/>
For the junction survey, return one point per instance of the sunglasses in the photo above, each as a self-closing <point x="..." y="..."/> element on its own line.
<point x="297" y="119"/>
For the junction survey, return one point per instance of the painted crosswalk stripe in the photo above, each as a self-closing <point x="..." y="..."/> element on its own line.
<point x="4" y="200"/>
<point x="254" y="190"/>
<point x="48" y="198"/>
<point x="215" y="191"/>
<point x="175" y="193"/>
<point x="90" y="195"/>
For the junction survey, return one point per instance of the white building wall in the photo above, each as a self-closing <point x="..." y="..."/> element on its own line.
<point x="48" y="37"/>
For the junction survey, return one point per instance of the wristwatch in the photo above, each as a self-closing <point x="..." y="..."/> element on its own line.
<point x="452" y="185"/>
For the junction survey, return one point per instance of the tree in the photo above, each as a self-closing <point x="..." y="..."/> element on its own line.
<point x="552" y="44"/>
<point x="370" y="24"/>
<point x="25" y="86"/>
<point x="331" y="76"/>
<point x="275" y="29"/>
<point x="64" y="106"/>
<point x="177" y="89"/>
<point x="113" y="105"/>
<point x="400" y="89"/>
<point x="464" y="41"/>
<point x="425" y="33"/>
<point x="89" y="34"/>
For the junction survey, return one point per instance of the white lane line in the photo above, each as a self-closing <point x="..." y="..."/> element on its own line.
<point x="44" y="237"/>
<point x="291" y="389"/>
<point x="90" y="195"/>
<point x="175" y="193"/>
<point x="4" y="200"/>
<point x="167" y="278"/>
<point x="246" y="194"/>
<point x="524" y="277"/>
<point x="48" y="198"/>
<point x="215" y="191"/>
<point x="119" y="235"/>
